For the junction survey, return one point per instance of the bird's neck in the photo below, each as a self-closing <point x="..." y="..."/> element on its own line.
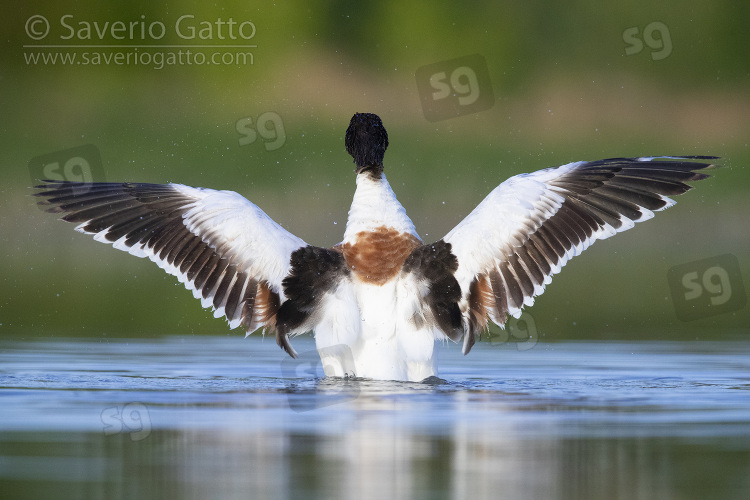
<point x="374" y="206"/>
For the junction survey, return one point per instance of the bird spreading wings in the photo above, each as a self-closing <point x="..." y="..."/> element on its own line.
<point x="249" y="269"/>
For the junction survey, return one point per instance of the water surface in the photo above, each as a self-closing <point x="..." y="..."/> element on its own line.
<point x="207" y="417"/>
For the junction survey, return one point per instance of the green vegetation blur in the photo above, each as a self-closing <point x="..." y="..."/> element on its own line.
<point x="571" y="81"/>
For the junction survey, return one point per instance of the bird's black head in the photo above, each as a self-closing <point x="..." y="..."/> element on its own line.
<point x="366" y="140"/>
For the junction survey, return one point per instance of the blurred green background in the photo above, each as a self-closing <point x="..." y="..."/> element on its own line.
<point x="571" y="80"/>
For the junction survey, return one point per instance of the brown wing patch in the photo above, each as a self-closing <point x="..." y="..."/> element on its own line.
<point x="266" y="308"/>
<point x="266" y="304"/>
<point x="377" y="256"/>
<point x="481" y="302"/>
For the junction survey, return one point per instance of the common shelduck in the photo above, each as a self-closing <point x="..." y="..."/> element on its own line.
<point x="379" y="301"/>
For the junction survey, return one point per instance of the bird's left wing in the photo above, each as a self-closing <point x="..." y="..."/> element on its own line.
<point x="528" y="227"/>
<point x="221" y="246"/>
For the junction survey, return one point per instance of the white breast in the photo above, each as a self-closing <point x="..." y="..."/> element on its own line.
<point x="370" y="332"/>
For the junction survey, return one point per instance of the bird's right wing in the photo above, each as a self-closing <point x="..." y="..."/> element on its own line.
<point x="528" y="227"/>
<point x="221" y="246"/>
